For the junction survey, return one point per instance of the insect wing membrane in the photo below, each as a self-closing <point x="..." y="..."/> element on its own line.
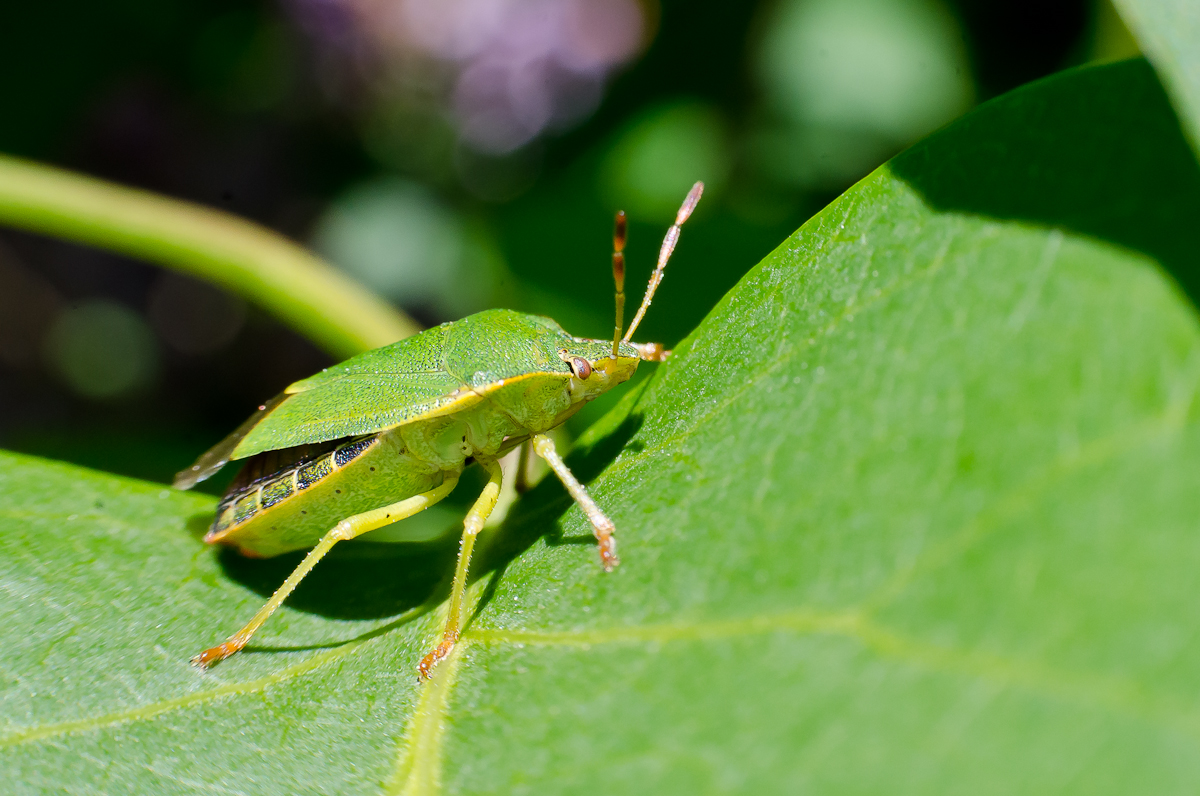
<point x="219" y="455"/>
<point x="438" y="371"/>
<point x="355" y="405"/>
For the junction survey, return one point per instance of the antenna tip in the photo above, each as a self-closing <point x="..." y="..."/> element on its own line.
<point x="619" y="231"/>
<point x="689" y="204"/>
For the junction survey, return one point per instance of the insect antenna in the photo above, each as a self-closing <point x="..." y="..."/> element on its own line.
<point x="664" y="254"/>
<point x="619" y="275"/>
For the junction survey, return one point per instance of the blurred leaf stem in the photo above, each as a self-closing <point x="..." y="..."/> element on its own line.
<point x="268" y="269"/>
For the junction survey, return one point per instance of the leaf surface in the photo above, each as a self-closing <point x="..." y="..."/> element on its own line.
<point x="914" y="510"/>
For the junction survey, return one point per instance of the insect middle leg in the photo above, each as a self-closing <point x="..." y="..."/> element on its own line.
<point x="472" y="525"/>
<point x="348" y="528"/>
<point x="521" y="483"/>
<point x="602" y="526"/>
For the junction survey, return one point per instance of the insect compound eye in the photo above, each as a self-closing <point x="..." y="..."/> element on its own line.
<point x="581" y="368"/>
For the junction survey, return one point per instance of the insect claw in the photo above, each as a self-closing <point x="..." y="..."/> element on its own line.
<point x="218" y="653"/>
<point x="652" y="352"/>
<point x="425" y="669"/>
<point x="608" y="554"/>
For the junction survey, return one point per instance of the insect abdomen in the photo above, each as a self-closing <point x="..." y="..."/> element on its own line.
<point x="241" y="504"/>
<point x="293" y="503"/>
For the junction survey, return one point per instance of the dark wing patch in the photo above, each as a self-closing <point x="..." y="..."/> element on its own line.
<point x="314" y="472"/>
<point x="276" y="491"/>
<point x="350" y="451"/>
<point x="272" y="477"/>
<point x="268" y="464"/>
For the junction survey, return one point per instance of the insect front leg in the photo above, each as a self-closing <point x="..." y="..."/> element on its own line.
<point x="348" y="528"/>
<point x="602" y="526"/>
<point x="472" y="525"/>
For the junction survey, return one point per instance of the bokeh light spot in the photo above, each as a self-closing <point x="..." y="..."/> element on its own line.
<point x="194" y="317"/>
<point x="102" y="349"/>
<point x="855" y="80"/>
<point x="398" y="238"/>
<point x="657" y="158"/>
<point x="893" y="66"/>
<point x="505" y="72"/>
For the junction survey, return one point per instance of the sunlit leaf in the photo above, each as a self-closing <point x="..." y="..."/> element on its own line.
<point x="914" y="510"/>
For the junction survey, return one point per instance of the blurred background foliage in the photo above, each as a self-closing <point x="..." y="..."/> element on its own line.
<point x="452" y="156"/>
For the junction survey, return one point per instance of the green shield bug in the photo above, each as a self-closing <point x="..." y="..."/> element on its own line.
<point x="387" y="433"/>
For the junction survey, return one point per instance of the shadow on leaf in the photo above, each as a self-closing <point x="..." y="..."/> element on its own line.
<point x="1099" y="153"/>
<point x="364" y="580"/>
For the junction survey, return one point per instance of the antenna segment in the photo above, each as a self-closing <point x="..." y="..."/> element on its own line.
<point x="619" y="275"/>
<point x="664" y="254"/>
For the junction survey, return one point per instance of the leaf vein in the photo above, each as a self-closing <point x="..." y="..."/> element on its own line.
<point x="148" y="711"/>
<point x="418" y="770"/>
<point x="1111" y="694"/>
<point x="1019" y="499"/>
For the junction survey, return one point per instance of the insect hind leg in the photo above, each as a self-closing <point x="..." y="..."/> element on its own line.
<point x="602" y="526"/>
<point x="348" y="528"/>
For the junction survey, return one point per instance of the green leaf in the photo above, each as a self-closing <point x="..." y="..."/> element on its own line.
<point x="1168" y="31"/>
<point x="914" y="510"/>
